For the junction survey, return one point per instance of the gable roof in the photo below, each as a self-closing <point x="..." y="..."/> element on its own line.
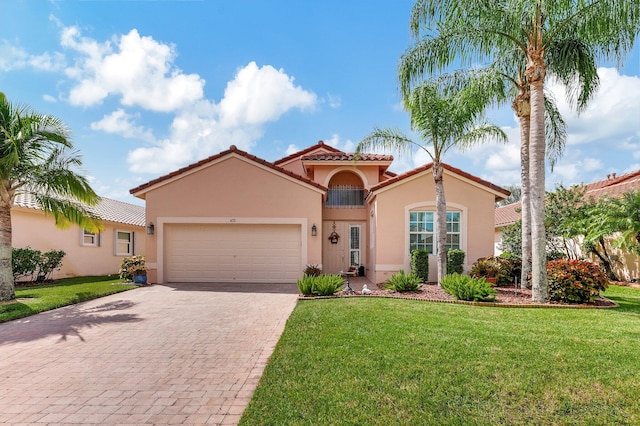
<point x="501" y="192"/>
<point x="312" y="148"/>
<point x="139" y="190"/>
<point x="506" y="215"/>
<point x="107" y="209"/>
<point x="612" y="186"/>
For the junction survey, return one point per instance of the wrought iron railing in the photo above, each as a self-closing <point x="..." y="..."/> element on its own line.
<point x="345" y="197"/>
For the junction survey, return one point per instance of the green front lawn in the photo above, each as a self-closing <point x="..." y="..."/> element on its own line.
<point x="381" y="361"/>
<point x="31" y="300"/>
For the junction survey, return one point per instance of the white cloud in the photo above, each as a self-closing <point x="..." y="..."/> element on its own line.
<point x="611" y="116"/>
<point x="259" y="95"/>
<point x="291" y="149"/>
<point x="255" y="97"/>
<point x="123" y="124"/>
<point x="49" y="98"/>
<point x="344" y="146"/>
<point x="14" y="57"/>
<point x="137" y="69"/>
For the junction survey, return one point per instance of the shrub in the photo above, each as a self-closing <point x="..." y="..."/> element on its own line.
<point x="555" y="255"/>
<point x="321" y="285"/>
<point x="24" y="262"/>
<point x="131" y="266"/>
<point x="464" y="287"/>
<point x="49" y="262"/>
<point x="485" y="267"/>
<point x="575" y="281"/>
<point x="455" y="261"/>
<point x="420" y="264"/>
<point x="305" y="284"/>
<point x="402" y="282"/>
<point x="37" y="266"/>
<point x="313" y="270"/>
<point x="503" y="269"/>
<point x="326" y="285"/>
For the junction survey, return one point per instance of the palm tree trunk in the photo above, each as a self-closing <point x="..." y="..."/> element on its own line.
<point x="7" y="291"/>
<point x="441" y="220"/>
<point x="525" y="201"/>
<point x="535" y="72"/>
<point x="522" y="107"/>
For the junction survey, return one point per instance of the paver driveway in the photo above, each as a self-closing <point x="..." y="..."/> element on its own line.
<point x="190" y="354"/>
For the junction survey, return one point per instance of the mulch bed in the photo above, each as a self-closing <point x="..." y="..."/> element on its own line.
<point x="508" y="296"/>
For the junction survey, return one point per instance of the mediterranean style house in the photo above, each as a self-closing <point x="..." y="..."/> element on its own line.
<point x="86" y="253"/>
<point x="626" y="265"/>
<point x="234" y="217"/>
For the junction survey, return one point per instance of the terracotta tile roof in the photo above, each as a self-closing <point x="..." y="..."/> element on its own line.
<point x="107" y="209"/>
<point x="452" y="169"/>
<point x="232" y="149"/>
<point x="612" y="186"/>
<point x="344" y="156"/>
<point x="312" y="148"/>
<point x="506" y="215"/>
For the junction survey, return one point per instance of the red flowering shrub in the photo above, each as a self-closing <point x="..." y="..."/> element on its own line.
<point x="575" y="281"/>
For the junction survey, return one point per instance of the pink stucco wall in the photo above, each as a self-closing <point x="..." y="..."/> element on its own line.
<point x="391" y="205"/>
<point x="32" y="228"/>
<point x="233" y="189"/>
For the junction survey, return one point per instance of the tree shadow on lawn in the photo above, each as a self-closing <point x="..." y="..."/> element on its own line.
<point x="66" y="322"/>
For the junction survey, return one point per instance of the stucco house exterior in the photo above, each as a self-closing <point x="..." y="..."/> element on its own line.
<point x="626" y="265"/>
<point x="234" y="217"/>
<point x="86" y="253"/>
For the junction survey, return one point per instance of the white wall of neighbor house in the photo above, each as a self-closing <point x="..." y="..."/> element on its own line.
<point x="86" y="254"/>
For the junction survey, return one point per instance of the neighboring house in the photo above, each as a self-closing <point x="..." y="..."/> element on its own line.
<point x="86" y="253"/>
<point x="234" y="217"/>
<point x="627" y="265"/>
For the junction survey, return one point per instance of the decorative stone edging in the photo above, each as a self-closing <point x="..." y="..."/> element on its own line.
<point x="466" y="302"/>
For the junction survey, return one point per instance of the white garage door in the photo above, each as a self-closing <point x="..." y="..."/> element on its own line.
<point x="232" y="253"/>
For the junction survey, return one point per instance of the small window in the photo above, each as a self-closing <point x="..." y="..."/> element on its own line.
<point x="89" y="239"/>
<point x="124" y="243"/>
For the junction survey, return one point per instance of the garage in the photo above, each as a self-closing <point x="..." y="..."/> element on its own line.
<point x="260" y="253"/>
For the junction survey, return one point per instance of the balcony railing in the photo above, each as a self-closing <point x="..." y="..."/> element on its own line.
<point x="345" y="197"/>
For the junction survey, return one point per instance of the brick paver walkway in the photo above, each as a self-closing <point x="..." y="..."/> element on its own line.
<point x="154" y="355"/>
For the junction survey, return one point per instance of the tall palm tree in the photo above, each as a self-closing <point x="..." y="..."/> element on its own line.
<point x="35" y="157"/>
<point x="558" y="37"/>
<point x="442" y="121"/>
<point x="511" y="69"/>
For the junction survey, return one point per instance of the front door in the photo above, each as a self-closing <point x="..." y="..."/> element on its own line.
<point x="347" y="251"/>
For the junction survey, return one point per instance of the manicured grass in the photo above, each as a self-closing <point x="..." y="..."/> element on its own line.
<point x="68" y="291"/>
<point x="383" y="361"/>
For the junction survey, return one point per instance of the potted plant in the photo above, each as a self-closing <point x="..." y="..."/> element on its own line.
<point x="487" y="268"/>
<point x="133" y="269"/>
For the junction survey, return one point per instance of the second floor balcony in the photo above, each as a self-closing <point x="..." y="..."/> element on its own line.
<point x="346" y="197"/>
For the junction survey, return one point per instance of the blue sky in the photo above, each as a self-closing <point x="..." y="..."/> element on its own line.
<point x="150" y="86"/>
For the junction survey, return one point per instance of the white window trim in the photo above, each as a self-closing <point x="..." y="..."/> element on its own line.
<point x="96" y="238"/>
<point x="131" y="242"/>
<point x="359" y="249"/>
<point x="431" y="206"/>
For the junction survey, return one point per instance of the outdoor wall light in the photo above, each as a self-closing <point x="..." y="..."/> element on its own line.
<point x="151" y="228"/>
<point x="314" y="230"/>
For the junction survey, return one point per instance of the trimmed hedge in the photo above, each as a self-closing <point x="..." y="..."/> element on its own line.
<point x="455" y="261"/>
<point x="420" y="264"/>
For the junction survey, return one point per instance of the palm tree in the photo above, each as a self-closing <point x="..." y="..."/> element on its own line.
<point x="510" y="69"/>
<point x="557" y="37"/>
<point x="443" y="121"/>
<point x="35" y="157"/>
